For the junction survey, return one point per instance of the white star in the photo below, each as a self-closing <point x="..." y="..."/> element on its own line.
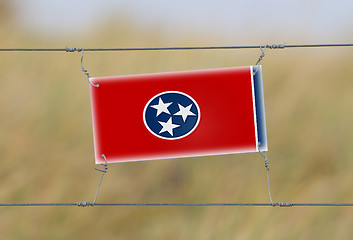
<point x="168" y="126"/>
<point x="185" y="111"/>
<point x="161" y="107"/>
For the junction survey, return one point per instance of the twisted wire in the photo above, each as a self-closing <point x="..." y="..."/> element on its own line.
<point x="263" y="154"/>
<point x="82" y="67"/>
<point x="105" y="164"/>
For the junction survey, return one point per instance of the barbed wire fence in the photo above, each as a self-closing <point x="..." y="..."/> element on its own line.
<point x="104" y="171"/>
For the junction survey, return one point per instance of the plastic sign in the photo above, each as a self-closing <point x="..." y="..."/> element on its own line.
<point x="178" y="114"/>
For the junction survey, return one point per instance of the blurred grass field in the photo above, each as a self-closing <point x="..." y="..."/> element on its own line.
<point x="46" y="146"/>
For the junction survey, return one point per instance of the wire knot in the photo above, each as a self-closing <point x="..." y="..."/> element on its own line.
<point x="67" y="49"/>
<point x="84" y="204"/>
<point x="261" y="56"/>
<point x="267" y="164"/>
<point x="263" y="49"/>
<point x="276" y="46"/>
<point x="105" y="164"/>
<point x="283" y="204"/>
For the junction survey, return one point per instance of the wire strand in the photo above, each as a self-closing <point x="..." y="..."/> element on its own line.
<point x="270" y="46"/>
<point x="88" y="204"/>
<point x="104" y="171"/>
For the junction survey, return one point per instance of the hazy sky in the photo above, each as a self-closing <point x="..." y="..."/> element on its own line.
<point x="318" y="20"/>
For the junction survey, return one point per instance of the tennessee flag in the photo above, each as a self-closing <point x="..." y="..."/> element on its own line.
<point x="178" y="114"/>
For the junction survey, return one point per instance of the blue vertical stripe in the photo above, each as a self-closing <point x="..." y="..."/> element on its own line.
<point x="260" y="108"/>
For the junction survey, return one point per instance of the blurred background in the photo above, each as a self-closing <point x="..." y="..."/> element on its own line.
<point x="46" y="141"/>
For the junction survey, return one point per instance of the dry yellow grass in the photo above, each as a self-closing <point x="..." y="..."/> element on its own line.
<point x="46" y="147"/>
